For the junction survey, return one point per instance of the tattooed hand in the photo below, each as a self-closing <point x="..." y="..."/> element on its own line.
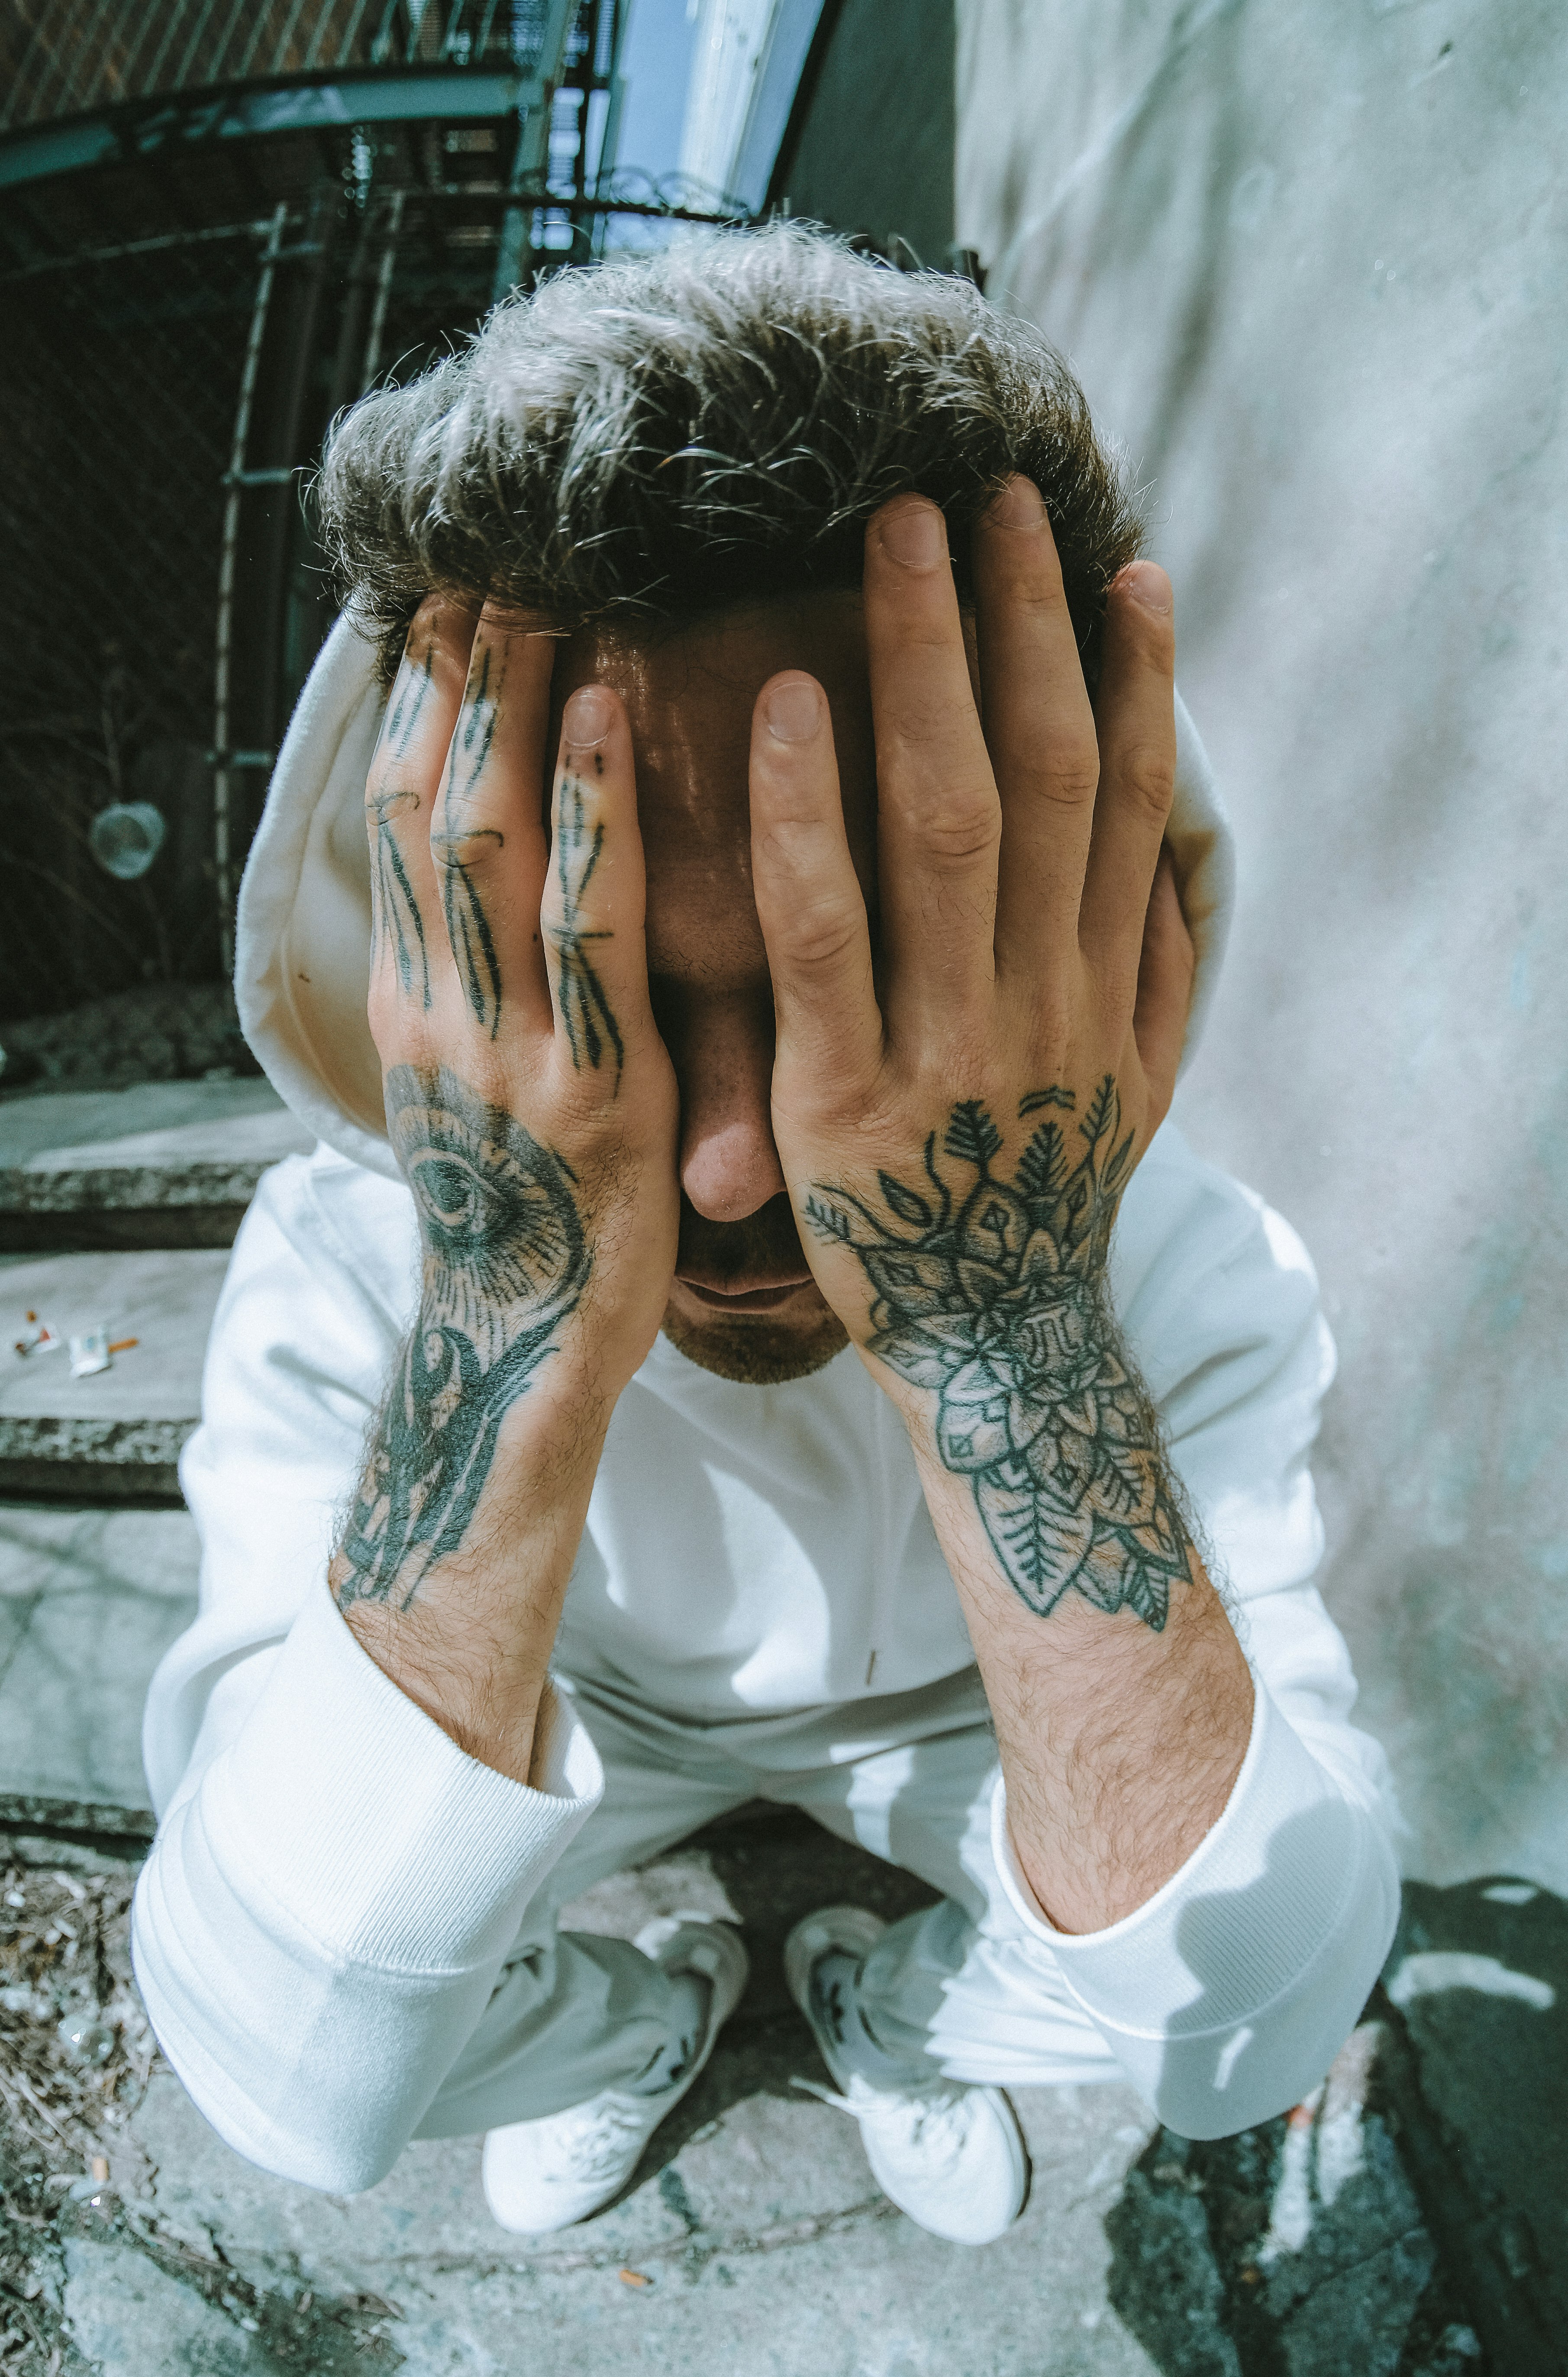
<point x="531" y="1106"/>
<point x="958" y="1117"/>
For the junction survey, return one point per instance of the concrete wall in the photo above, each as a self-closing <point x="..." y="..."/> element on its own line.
<point x="1310" y="259"/>
<point x="871" y="147"/>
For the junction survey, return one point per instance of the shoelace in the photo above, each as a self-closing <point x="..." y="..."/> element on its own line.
<point x="937" y="2125"/>
<point x="596" y="2149"/>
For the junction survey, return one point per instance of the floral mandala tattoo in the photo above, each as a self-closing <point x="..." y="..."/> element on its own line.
<point x="996" y="1302"/>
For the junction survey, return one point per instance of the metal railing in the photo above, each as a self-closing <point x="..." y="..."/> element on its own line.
<point x="78" y="57"/>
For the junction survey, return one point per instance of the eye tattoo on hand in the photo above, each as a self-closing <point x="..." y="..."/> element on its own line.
<point x="506" y="1261"/>
<point x="995" y="1299"/>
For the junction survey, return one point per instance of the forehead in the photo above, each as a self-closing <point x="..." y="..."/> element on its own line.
<point x="689" y="689"/>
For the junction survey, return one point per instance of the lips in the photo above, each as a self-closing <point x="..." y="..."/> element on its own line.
<point x="753" y="1265"/>
<point x="764" y="1296"/>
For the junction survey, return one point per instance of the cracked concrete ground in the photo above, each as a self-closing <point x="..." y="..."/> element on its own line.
<point x="134" y="2244"/>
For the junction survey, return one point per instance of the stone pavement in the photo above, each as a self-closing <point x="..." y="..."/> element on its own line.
<point x="753" y="2240"/>
<point x="1411" y="2221"/>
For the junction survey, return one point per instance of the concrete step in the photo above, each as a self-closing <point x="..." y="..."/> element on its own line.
<point x="160" y="1164"/>
<point x="115" y="1437"/>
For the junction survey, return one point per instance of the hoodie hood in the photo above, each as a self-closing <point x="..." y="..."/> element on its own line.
<point x="301" y="942"/>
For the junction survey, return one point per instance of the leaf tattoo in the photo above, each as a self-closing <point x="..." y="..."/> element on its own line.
<point x="997" y="1305"/>
<point x="506" y="1261"/>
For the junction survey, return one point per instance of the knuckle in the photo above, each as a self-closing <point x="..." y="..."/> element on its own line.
<point x="924" y="722"/>
<point x="1147" y="774"/>
<point x="819" y="936"/>
<point x="1072" y="779"/>
<point x="956" y="831"/>
<point x="1036" y="594"/>
<point x="1156" y="638"/>
<point x="464" y="850"/>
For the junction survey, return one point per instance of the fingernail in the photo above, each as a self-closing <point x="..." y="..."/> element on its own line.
<point x="1147" y="584"/>
<point x="793" y="710"/>
<point x="586" y="717"/>
<point x="914" y="535"/>
<point x="1017" y="505"/>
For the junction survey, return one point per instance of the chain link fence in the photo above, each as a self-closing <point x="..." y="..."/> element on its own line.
<point x="117" y="386"/>
<point x="120" y="385"/>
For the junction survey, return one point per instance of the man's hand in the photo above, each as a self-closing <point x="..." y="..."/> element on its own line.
<point x="957" y="1121"/>
<point x="532" y="1107"/>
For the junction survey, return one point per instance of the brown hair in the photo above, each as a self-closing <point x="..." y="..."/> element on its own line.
<point x="708" y="425"/>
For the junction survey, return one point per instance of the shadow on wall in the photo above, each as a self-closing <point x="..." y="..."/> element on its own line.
<point x="1410" y="2218"/>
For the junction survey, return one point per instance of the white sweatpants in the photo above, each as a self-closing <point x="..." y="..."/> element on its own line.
<point x="961" y="1988"/>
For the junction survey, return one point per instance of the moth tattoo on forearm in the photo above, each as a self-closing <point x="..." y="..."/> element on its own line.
<point x="990" y="1292"/>
<point x="506" y="1261"/>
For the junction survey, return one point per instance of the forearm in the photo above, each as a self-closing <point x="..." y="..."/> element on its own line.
<point x="465" y="1628"/>
<point x="1121" y="1698"/>
<point x="329" y="1898"/>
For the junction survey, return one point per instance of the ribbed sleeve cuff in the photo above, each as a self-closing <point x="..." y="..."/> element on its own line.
<point x="370" y="1828"/>
<point x="1240" y="1924"/>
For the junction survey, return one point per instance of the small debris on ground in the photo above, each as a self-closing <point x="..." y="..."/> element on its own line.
<point x="38" y="1337"/>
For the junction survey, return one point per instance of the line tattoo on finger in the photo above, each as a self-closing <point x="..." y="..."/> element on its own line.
<point x="468" y="927"/>
<point x="506" y="1261"/>
<point x="410" y="692"/>
<point x="394" y="911"/>
<point x="457" y="848"/>
<point x="995" y="1299"/>
<point x="476" y="726"/>
<point x="587" y="1017"/>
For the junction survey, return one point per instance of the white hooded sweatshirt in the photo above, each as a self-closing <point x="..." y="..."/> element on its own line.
<point x="329" y="1863"/>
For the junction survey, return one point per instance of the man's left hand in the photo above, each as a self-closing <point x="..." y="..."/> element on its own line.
<point x="958" y="1114"/>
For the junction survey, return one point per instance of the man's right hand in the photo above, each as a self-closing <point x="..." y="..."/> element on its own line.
<point x="533" y="1107"/>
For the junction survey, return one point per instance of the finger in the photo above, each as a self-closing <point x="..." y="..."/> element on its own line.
<point x="939" y="820"/>
<point x="1135" y="712"/>
<point x="487" y="846"/>
<point x="401" y="793"/>
<point x="808" y="896"/>
<point x="1039" y="730"/>
<point x="595" y="895"/>
<point x="1166" y="965"/>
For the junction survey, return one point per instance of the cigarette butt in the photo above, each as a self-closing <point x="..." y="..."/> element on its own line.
<point x="633" y="2279"/>
<point x="32" y="1316"/>
<point x="123" y="1344"/>
<point x="101" y="2167"/>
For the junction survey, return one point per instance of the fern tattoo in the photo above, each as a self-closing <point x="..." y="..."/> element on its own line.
<point x="997" y="1303"/>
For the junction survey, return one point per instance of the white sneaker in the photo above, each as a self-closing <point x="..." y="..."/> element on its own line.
<point x="952" y="2157"/>
<point x="543" y="2175"/>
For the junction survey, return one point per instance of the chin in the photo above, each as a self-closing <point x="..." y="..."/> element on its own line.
<point x="756" y="1349"/>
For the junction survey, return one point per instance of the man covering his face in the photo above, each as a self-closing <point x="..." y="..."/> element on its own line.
<point x="733" y="903"/>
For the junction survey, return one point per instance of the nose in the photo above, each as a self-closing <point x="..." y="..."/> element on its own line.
<point x="729" y="1166"/>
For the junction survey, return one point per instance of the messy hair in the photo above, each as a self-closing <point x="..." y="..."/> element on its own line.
<point x="711" y="425"/>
